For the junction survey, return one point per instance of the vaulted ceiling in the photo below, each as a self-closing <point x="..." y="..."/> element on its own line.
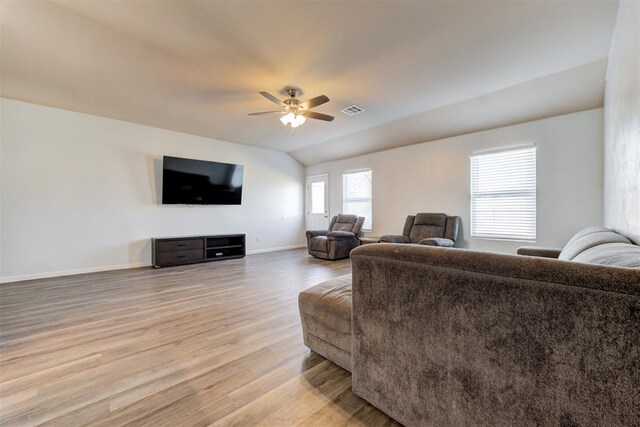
<point x="421" y="70"/>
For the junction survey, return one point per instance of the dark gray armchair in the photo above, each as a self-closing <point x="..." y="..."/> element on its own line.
<point x="431" y="229"/>
<point x="338" y="241"/>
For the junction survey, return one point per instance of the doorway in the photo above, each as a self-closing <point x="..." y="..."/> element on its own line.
<point x="318" y="202"/>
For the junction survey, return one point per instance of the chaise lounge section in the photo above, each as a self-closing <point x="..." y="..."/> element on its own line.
<point x="325" y="313"/>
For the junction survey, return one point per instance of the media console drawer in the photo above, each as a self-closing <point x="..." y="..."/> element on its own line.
<point x="173" y="251"/>
<point x="179" y="257"/>
<point x="180" y="245"/>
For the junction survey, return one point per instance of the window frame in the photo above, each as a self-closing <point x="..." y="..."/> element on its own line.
<point x="535" y="195"/>
<point x="354" y="171"/>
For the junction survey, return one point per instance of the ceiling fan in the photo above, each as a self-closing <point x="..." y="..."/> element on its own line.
<point x="295" y="112"/>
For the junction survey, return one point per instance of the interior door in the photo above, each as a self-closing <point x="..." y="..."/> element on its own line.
<point x="318" y="202"/>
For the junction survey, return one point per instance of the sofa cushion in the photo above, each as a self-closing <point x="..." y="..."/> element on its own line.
<point x="408" y="225"/>
<point x="452" y="228"/>
<point x="334" y="235"/>
<point x="319" y="243"/>
<point x="437" y="241"/>
<point x="391" y="238"/>
<point x="584" y="232"/>
<point x="427" y="225"/>
<point x="344" y="223"/>
<point x="612" y="254"/>
<point x="589" y="238"/>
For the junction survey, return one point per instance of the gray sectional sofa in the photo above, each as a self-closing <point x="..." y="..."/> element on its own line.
<point x="450" y="337"/>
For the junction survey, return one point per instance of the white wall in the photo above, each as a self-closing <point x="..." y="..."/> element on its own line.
<point x="434" y="177"/>
<point x="622" y="125"/>
<point x="80" y="192"/>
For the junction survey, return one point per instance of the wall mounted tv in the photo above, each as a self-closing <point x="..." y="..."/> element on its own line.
<point x="198" y="182"/>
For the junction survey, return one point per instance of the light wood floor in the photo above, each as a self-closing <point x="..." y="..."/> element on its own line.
<point x="207" y="344"/>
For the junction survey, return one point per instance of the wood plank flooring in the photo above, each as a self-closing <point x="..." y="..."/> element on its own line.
<point x="207" y="344"/>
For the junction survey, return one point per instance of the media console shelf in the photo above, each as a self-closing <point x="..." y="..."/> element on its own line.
<point x="170" y="251"/>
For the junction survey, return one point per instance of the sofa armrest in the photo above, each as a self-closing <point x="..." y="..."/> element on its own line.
<point x="599" y="277"/>
<point x="437" y="241"/>
<point x="486" y="330"/>
<point x="539" y="251"/>
<point x="314" y="233"/>
<point x="335" y="235"/>
<point x="392" y="238"/>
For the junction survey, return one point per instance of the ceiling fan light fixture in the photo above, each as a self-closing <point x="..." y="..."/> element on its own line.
<point x="288" y="118"/>
<point x="295" y="113"/>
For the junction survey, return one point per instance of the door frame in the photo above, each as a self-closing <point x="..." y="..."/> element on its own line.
<point x="327" y="197"/>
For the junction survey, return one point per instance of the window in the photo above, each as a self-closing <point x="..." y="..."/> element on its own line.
<point x="503" y="194"/>
<point x="317" y="197"/>
<point x="356" y="195"/>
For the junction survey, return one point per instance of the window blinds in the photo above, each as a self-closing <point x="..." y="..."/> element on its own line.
<point x="356" y="195"/>
<point x="503" y="194"/>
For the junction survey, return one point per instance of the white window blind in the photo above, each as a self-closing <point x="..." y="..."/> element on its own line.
<point x="356" y="195"/>
<point x="503" y="194"/>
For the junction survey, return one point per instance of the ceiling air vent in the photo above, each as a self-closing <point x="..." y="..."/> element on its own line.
<point x="352" y="111"/>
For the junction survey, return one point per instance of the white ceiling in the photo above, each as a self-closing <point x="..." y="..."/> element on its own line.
<point x="576" y="89"/>
<point x="421" y="70"/>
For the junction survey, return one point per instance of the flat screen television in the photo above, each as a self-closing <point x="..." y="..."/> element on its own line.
<point x="198" y="182"/>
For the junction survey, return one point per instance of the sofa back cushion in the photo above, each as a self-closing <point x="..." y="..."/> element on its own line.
<point x="426" y="225"/>
<point x="453" y="226"/>
<point x="612" y="254"/>
<point x="344" y="223"/>
<point x="590" y="238"/>
<point x="357" y="227"/>
<point x="408" y="225"/>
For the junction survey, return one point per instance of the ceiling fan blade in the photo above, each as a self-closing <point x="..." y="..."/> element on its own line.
<point x="318" y="116"/>
<point x="265" y="112"/>
<point x="271" y="98"/>
<point x="314" y="102"/>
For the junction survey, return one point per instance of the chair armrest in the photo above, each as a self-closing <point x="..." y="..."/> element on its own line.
<point x="314" y="233"/>
<point x="437" y="241"/>
<point x="391" y="238"/>
<point x="539" y="251"/>
<point x="335" y="235"/>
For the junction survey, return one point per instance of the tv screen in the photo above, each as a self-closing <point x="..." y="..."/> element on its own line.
<point x="198" y="182"/>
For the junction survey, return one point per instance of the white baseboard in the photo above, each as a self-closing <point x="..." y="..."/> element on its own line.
<point x="9" y="279"/>
<point x="279" y="248"/>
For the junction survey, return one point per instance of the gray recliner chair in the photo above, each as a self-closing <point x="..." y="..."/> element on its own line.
<point x="431" y="229"/>
<point x="338" y="241"/>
